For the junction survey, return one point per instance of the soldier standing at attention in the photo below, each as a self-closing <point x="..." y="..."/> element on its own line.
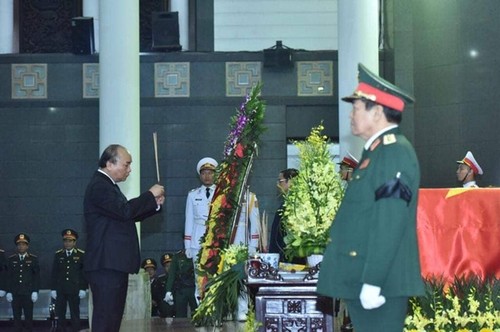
<point x="372" y="261"/>
<point x="68" y="280"/>
<point x="165" y="309"/>
<point x="181" y="284"/>
<point x="23" y="283"/>
<point x="197" y="209"/>
<point x="467" y="171"/>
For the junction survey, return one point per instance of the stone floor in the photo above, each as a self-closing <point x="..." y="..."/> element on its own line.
<point x="155" y="324"/>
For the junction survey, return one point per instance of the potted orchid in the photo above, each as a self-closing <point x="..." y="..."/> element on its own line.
<point x="313" y="199"/>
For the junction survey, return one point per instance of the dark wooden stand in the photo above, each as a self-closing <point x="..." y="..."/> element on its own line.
<point x="289" y="302"/>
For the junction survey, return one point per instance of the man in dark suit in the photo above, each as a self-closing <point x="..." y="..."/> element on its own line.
<point x="112" y="250"/>
<point x="372" y="261"/>
<point x="68" y="280"/>
<point x="23" y="283"/>
<point x="276" y="240"/>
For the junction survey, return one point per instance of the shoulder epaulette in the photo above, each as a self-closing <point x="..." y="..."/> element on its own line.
<point x="59" y="251"/>
<point x="13" y="255"/>
<point x="80" y="250"/>
<point x="30" y="254"/>
<point x="389" y="139"/>
<point x="1" y="250"/>
<point x="193" y="189"/>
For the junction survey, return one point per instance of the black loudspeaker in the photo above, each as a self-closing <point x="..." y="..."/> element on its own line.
<point x="278" y="57"/>
<point x="165" y="27"/>
<point x="82" y="35"/>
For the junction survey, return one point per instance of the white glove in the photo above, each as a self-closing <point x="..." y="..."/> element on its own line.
<point x="9" y="297"/>
<point x="82" y="294"/>
<point x="169" y="298"/>
<point x="2" y="293"/>
<point x="34" y="297"/>
<point x="53" y="294"/>
<point x="370" y="297"/>
<point x="188" y="252"/>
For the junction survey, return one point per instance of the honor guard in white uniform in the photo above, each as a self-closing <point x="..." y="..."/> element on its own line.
<point x="467" y="170"/>
<point x="251" y="229"/>
<point x="198" y="207"/>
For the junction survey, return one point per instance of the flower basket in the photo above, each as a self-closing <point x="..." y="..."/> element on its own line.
<point x="312" y="201"/>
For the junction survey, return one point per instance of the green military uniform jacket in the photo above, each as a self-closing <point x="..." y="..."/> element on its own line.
<point x="23" y="278"/>
<point x="67" y="272"/>
<point x="181" y="273"/>
<point x="374" y="241"/>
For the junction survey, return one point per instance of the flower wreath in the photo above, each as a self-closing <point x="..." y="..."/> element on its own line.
<point x="232" y="173"/>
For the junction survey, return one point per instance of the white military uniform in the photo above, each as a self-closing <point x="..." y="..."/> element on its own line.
<point x="197" y="209"/>
<point x="253" y="227"/>
<point x="253" y="241"/>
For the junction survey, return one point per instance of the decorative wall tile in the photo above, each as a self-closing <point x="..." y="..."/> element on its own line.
<point x="29" y="81"/>
<point x="314" y="78"/>
<point x="241" y="77"/>
<point x="172" y="79"/>
<point x="90" y="78"/>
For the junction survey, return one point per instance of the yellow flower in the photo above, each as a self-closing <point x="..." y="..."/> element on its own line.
<point x="312" y="201"/>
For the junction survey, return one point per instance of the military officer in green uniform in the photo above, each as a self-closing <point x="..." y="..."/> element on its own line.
<point x="180" y="285"/>
<point x="23" y="283"/>
<point x="372" y="261"/>
<point x="68" y="281"/>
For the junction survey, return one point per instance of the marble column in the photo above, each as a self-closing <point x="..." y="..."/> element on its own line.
<point x="358" y="33"/>
<point x="7" y="27"/>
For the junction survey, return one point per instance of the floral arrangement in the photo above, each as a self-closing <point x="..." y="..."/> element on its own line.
<point x="222" y="291"/>
<point x="232" y="173"/>
<point x="467" y="305"/>
<point x="311" y="203"/>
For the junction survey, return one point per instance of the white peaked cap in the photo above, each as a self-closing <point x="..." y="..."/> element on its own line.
<point x="470" y="161"/>
<point x="205" y="163"/>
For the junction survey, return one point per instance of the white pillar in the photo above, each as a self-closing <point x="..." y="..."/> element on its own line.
<point x="7" y="27"/>
<point x="119" y="83"/>
<point x="91" y="9"/>
<point x="358" y="30"/>
<point x="182" y="7"/>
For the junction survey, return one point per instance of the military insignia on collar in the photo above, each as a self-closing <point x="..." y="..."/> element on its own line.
<point x="364" y="163"/>
<point x="375" y="144"/>
<point x="389" y="139"/>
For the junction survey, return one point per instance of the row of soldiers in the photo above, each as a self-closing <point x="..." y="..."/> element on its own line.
<point x="20" y="281"/>
<point x="177" y="282"/>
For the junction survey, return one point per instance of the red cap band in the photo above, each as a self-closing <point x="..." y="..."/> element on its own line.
<point x="380" y="97"/>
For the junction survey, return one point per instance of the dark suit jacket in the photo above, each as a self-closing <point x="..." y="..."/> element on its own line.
<point x="112" y="241"/>
<point x="375" y="241"/>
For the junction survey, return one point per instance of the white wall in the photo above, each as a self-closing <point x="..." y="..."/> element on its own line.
<point x="253" y="25"/>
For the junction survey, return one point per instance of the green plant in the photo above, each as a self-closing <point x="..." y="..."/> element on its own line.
<point x="312" y="201"/>
<point x="469" y="304"/>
